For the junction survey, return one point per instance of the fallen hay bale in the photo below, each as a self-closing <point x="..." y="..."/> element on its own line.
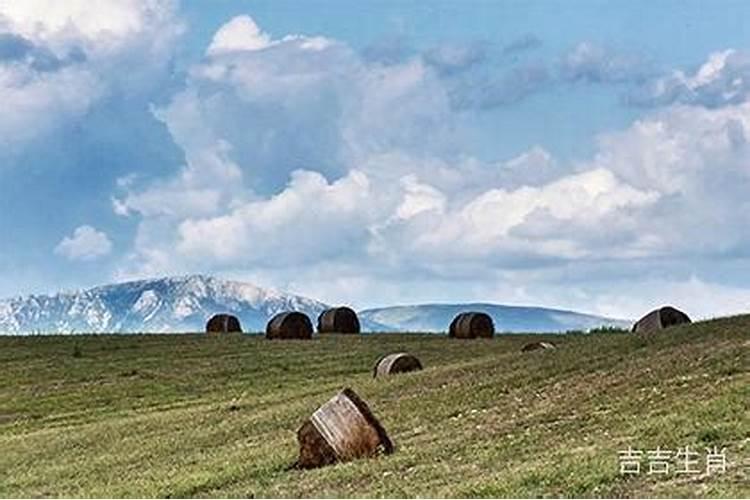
<point x="534" y="346"/>
<point x="399" y="362"/>
<point x="289" y="325"/>
<point x="341" y="430"/>
<point x="223" y="323"/>
<point x="470" y="325"/>
<point x="660" y="319"/>
<point x="338" y="320"/>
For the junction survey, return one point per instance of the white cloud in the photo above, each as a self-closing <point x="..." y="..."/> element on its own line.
<point x="241" y="33"/>
<point x="308" y="221"/>
<point x="419" y="198"/>
<point x="102" y="27"/>
<point x="711" y="70"/>
<point x="76" y="54"/>
<point x="302" y="163"/>
<point x="500" y="223"/>
<point x="86" y="243"/>
<point x="368" y="117"/>
<point x="33" y="104"/>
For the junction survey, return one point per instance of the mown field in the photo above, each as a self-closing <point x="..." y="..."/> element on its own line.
<point x="184" y="416"/>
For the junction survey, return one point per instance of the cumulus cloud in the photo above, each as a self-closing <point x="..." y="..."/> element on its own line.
<point x="418" y="198"/>
<point x="105" y="27"/>
<point x="499" y="224"/>
<point x="59" y="58"/>
<point x="305" y="159"/>
<point x="241" y="33"/>
<point x="268" y="126"/>
<point x="86" y="243"/>
<point x="248" y="118"/>
<point x="268" y="231"/>
<point x="240" y="119"/>
<point x="36" y="102"/>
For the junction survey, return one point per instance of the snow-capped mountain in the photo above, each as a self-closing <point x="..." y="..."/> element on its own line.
<point x="513" y="319"/>
<point x="179" y="304"/>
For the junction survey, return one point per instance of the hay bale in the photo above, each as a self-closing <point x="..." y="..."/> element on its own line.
<point x="223" y="323"/>
<point x="342" y="429"/>
<point x="534" y="346"/>
<point x="660" y="319"/>
<point x="470" y="325"/>
<point x="289" y="325"/>
<point x="399" y="362"/>
<point x="338" y="320"/>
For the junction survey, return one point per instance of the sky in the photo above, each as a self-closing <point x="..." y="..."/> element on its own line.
<point x="586" y="155"/>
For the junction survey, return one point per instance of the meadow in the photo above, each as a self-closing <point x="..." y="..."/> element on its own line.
<point x="199" y="416"/>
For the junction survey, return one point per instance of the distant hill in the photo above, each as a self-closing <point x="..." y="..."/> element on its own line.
<point x="437" y="317"/>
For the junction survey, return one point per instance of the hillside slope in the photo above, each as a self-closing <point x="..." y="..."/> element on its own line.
<point x="196" y="416"/>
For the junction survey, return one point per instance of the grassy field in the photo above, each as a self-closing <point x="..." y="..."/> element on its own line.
<point x="160" y="416"/>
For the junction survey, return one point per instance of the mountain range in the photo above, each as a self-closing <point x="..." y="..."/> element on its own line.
<point x="183" y="304"/>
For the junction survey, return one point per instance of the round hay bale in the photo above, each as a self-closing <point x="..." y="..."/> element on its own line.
<point x="659" y="319"/>
<point x="399" y="362"/>
<point x="289" y="325"/>
<point x="338" y="320"/>
<point x="342" y="429"/>
<point x="452" y="327"/>
<point x="534" y="346"/>
<point x="470" y="325"/>
<point x="223" y="323"/>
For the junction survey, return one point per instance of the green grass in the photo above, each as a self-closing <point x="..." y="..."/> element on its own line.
<point x="158" y="416"/>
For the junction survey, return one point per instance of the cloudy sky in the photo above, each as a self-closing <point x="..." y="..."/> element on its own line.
<point x="580" y="154"/>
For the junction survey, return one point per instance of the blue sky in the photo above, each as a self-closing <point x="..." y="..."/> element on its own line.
<point x="588" y="155"/>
